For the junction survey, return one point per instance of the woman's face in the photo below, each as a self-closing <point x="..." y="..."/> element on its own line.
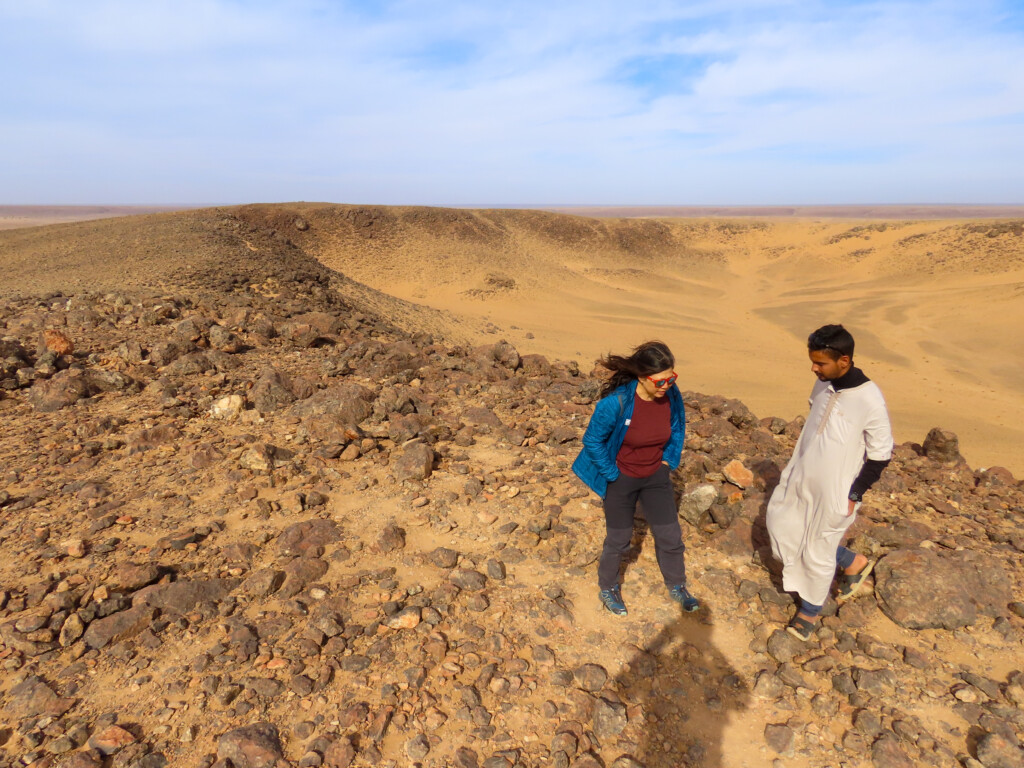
<point x="657" y="384"/>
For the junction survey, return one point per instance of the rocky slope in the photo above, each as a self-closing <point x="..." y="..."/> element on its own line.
<point x="245" y="523"/>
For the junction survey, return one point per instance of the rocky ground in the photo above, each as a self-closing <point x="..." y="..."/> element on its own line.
<point x="245" y="524"/>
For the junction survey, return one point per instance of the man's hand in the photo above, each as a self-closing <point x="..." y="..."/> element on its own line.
<point x="852" y="506"/>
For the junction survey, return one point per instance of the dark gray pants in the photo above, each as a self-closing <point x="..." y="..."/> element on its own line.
<point x="655" y="495"/>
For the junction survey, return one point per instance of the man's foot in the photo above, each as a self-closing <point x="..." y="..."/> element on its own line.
<point x="850" y="583"/>
<point x="680" y="594"/>
<point x="612" y="600"/>
<point x="802" y="626"/>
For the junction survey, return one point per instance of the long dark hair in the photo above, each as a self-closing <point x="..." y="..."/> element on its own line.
<point x="650" y="357"/>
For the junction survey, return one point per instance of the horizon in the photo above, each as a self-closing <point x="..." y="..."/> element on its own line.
<point x="852" y="210"/>
<point x="768" y="102"/>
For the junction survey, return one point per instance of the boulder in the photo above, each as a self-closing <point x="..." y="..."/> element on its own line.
<point x="180" y="597"/>
<point x="737" y="474"/>
<point x="227" y="408"/>
<point x="63" y="389"/>
<point x="922" y="589"/>
<point x="943" y="446"/>
<point x="348" y="402"/>
<point x="271" y="392"/>
<point x="57" y="342"/>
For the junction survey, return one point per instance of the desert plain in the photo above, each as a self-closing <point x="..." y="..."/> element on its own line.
<point x="289" y="485"/>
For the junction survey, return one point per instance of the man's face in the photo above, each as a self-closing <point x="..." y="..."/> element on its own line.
<point x="825" y="368"/>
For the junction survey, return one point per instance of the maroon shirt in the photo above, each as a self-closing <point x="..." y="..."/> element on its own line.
<point x="649" y="430"/>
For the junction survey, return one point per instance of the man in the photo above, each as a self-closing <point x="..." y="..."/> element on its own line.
<point x="842" y="450"/>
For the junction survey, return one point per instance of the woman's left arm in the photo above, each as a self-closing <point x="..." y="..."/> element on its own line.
<point x="674" y="447"/>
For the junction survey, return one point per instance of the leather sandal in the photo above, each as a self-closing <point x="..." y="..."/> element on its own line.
<point x="801" y="627"/>
<point x="850" y="583"/>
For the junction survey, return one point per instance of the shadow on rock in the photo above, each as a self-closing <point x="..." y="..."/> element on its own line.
<point x="681" y="689"/>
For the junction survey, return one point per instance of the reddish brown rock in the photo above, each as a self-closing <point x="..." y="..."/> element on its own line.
<point x="308" y="538"/>
<point x="340" y="753"/>
<point x="111" y="739"/>
<point x="414" y="461"/>
<point x="118" y="626"/>
<point x="33" y="697"/>
<point x="57" y="342"/>
<point x="129" y="576"/>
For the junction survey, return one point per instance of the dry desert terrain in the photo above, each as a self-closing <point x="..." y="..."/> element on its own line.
<point x="290" y="485"/>
<point x="932" y="302"/>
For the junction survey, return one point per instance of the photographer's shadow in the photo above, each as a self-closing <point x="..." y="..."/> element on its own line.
<point x="685" y="689"/>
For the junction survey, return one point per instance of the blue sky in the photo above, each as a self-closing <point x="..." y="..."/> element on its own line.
<point x="515" y="103"/>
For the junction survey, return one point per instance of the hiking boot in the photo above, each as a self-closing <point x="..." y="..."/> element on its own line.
<point x="612" y="600"/>
<point x="680" y="594"/>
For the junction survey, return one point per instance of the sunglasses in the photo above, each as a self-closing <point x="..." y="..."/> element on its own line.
<point x="668" y="381"/>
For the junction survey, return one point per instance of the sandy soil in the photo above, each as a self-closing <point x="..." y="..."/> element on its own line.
<point x="876" y="212"/>
<point x="19" y="216"/>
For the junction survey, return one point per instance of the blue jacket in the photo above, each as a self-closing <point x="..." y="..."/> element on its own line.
<point x="596" y="465"/>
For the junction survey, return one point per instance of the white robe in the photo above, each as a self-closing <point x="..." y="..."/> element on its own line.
<point x="807" y="514"/>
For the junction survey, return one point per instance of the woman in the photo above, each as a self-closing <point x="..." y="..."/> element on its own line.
<point x="633" y="442"/>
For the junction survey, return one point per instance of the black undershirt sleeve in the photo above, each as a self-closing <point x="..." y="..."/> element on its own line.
<point x="869" y="474"/>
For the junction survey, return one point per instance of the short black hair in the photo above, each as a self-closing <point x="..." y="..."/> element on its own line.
<point x="834" y="340"/>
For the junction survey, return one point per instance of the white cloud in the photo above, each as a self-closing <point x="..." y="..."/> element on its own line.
<point x="418" y="102"/>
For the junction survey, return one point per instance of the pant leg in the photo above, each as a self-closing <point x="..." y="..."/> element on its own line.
<point x="619" y="507"/>
<point x="616" y="545"/>
<point x="659" y="505"/>
<point x="845" y="557"/>
<point x="809" y="609"/>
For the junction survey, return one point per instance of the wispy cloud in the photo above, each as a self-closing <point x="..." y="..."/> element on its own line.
<point x="736" y="101"/>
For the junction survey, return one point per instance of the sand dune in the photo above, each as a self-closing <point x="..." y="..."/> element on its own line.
<point x="934" y="304"/>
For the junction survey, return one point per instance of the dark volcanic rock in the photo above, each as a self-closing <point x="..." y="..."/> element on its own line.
<point x="64" y="389"/>
<point x="413" y="461"/>
<point x="118" y="626"/>
<point x="271" y="391"/>
<point x="922" y="589"/>
<point x="996" y="750"/>
<point x="469" y="580"/>
<point x="308" y="538"/>
<point x="443" y="557"/>
<point x="392" y="538"/>
<point x="349" y="402"/>
<point x="128" y="577"/>
<point x="301" y="572"/>
<point x="591" y="677"/>
<point x="943" y="446"/>
<point x="33" y="697"/>
<point x="251" y="746"/>
<point x="180" y="597"/>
